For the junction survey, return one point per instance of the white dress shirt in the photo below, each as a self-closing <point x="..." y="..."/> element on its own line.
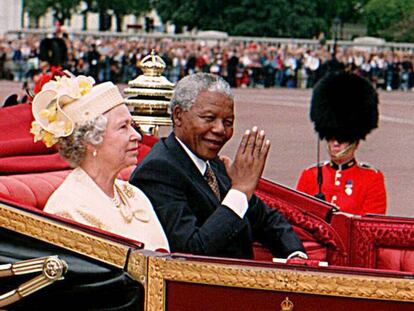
<point x="234" y="199"/>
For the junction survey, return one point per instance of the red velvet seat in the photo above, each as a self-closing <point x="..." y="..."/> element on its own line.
<point x="382" y="242"/>
<point x="31" y="189"/>
<point x="370" y="242"/>
<point x="15" y="136"/>
<point x="319" y="238"/>
<point x="395" y="259"/>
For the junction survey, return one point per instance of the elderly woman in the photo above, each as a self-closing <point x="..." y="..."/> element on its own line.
<point x="93" y="129"/>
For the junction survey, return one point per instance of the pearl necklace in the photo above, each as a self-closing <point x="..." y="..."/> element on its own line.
<point x="117" y="202"/>
<point x="120" y="200"/>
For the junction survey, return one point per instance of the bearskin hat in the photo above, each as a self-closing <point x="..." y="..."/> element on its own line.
<point x="344" y="106"/>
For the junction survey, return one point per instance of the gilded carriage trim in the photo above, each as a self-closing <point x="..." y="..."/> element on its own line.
<point x="52" y="269"/>
<point x="64" y="236"/>
<point x="137" y="266"/>
<point x="306" y="282"/>
<point x="156" y="283"/>
<point x="287" y="305"/>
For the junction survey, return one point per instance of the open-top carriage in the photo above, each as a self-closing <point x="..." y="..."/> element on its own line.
<point x="362" y="262"/>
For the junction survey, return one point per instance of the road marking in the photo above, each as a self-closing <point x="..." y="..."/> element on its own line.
<point x="301" y="105"/>
<point x="396" y="120"/>
<point x="274" y="103"/>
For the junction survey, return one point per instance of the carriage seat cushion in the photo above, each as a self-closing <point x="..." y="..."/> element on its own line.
<point x="34" y="189"/>
<point x="15" y="136"/>
<point x="395" y="259"/>
<point x="382" y="242"/>
<point x="32" y="163"/>
<point x="31" y="189"/>
<point x="45" y="162"/>
<point x="34" y="171"/>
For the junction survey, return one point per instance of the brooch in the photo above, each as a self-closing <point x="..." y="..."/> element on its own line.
<point x="348" y="187"/>
<point x="127" y="189"/>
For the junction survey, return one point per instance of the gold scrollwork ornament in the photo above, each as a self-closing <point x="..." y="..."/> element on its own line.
<point x="286" y="305"/>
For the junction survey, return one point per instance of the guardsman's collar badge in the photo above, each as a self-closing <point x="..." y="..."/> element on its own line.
<point x="343" y="166"/>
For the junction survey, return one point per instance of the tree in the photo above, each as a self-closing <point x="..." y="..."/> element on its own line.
<point x="180" y="13"/>
<point x="62" y="9"/>
<point x="285" y="18"/>
<point x="119" y="8"/>
<point x="35" y="9"/>
<point x="384" y="18"/>
<point x="402" y="31"/>
<point x="126" y="7"/>
<point x="348" y="10"/>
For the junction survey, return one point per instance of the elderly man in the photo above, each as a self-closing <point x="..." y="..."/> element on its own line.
<point x="207" y="205"/>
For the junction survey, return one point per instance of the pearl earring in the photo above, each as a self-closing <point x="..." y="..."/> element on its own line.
<point x="94" y="153"/>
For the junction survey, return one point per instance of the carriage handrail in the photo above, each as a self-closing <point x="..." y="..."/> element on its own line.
<point x="52" y="268"/>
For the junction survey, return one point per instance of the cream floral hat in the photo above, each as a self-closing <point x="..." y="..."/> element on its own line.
<point x="69" y="101"/>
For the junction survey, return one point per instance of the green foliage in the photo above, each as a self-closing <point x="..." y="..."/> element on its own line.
<point x="281" y="18"/>
<point x="402" y="31"/>
<point x="349" y="11"/>
<point x="63" y="9"/>
<point x="121" y="7"/>
<point x="36" y="8"/>
<point x="391" y="19"/>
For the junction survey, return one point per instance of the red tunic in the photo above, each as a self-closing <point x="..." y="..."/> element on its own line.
<point x="354" y="187"/>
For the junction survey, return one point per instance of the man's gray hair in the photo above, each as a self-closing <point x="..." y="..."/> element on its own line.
<point x="188" y="88"/>
<point x="73" y="147"/>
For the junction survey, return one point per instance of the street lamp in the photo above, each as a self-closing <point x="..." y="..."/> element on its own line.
<point x="335" y="29"/>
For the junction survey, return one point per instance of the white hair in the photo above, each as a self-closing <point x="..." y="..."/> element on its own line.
<point x="188" y="88"/>
<point x="73" y="147"/>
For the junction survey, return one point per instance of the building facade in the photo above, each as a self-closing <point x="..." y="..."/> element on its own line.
<point x="11" y="13"/>
<point x="12" y="18"/>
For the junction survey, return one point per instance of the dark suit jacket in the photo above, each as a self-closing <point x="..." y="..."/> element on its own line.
<point x="193" y="218"/>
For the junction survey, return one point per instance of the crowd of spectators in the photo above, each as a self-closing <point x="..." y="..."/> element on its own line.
<point x="246" y="64"/>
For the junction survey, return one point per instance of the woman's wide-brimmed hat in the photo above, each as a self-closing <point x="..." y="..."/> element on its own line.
<point x="66" y="102"/>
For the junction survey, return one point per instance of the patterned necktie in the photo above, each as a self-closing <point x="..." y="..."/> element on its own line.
<point x="212" y="181"/>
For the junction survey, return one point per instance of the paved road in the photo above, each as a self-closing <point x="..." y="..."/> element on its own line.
<point x="283" y="114"/>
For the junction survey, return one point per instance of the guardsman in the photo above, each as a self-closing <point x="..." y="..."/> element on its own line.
<point x="344" y="109"/>
<point x="54" y="50"/>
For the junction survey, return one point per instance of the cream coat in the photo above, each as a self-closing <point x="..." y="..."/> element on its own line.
<point x="80" y="199"/>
